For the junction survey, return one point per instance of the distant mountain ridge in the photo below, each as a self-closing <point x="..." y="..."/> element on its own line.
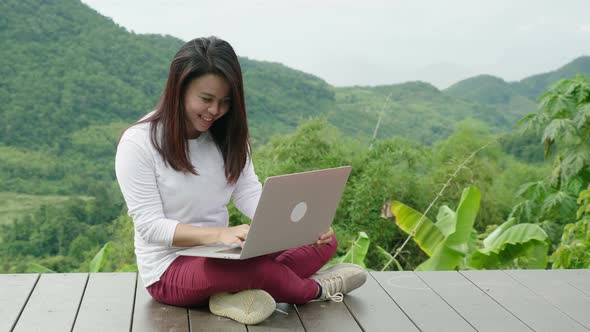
<point x="489" y="89"/>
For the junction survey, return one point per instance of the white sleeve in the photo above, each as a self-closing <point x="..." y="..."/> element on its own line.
<point x="136" y="175"/>
<point x="247" y="191"/>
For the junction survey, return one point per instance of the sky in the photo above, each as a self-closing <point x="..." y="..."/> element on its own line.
<point x="375" y="42"/>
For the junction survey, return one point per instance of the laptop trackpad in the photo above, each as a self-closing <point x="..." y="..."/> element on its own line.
<point x="235" y="250"/>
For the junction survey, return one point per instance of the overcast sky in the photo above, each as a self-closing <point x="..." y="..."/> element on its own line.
<point x="371" y="42"/>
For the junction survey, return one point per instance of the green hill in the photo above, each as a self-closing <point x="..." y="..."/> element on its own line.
<point x="71" y="80"/>
<point x="489" y="89"/>
<point x="414" y="110"/>
<point x="485" y="89"/>
<point x="535" y="85"/>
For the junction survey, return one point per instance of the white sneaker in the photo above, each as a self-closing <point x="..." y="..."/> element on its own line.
<point x="250" y="306"/>
<point x="338" y="280"/>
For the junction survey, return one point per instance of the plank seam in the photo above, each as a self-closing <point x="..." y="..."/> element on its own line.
<point x="133" y="303"/>
<point x="298" y="315"/>
<point x="26" y="302"/>
<point x="493" y="299"/>
<point x="445" y="301"/>
<point x="188" y="319"/>
<point x="581" y="290"/>
<point x="353" y="316"/>
<point x="545" y="298"/>
<point x="392" y="299"/>
<point x="80" y="302"/>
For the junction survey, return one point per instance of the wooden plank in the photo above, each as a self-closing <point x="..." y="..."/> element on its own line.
<point x="374" y="310"/>
<point x="278" y="321"/>
<point x="529" y="307"/>
<point x="480" y="310"/>
<point x="424" y="307"/>
<point x="558" y="292"/>
<point x="578" y="278"/>
<point x="150" y="315"/>
<point x="326" y="316"/>
<point x="108" y="302"/>
<point x="15" y="290"/>
<point x="54" y="303"/>
<point x="202" y="320"/>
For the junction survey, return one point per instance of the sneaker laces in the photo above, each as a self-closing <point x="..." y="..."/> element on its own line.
<point x="337" y="297"/>
<point x="331" y="285"/>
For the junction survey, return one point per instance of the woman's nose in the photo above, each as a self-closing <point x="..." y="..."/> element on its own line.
<point x="214" y="108"/>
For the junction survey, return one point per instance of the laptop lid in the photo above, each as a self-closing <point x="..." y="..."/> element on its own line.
<point x="294" y="210"/>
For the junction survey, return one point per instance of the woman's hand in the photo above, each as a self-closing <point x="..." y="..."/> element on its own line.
<point x="234" y="235"/>
<point x="324" y="238"/>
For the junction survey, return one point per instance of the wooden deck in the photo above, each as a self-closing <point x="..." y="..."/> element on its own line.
<point x="522" y="300"/>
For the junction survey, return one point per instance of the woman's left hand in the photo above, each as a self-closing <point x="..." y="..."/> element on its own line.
<point x="324" y="238"/>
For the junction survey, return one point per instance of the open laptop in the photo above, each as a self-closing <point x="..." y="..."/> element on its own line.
<point x="293" y="211"/>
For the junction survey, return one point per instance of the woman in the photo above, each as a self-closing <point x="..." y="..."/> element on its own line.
<point x="178" y="168"/>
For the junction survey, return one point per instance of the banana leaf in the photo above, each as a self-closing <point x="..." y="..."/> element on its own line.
<point x="445" y="220"/>
<point x="357" y="252"/>
<point x="501" y="229"/>
<point x="100" y="258"/>
<point x="38" y="268"/>
<point x="527" y="242"/>
<point x="449" y="254"/>
<point x="427" y="235"/>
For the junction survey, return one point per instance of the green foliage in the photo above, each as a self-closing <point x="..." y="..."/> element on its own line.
<point x="38" y="268"/>
<point x="573" y="251"/>
<point x="356" y="253"/>
<point x="71" y="80"/>
<point x="455" y="246"/>
<point x="451" y="242"/>
<point x="100" y="258"/>
<point x="563" y="118"/>
<point x="524" y="245"/>
<point x="425" y="233"/>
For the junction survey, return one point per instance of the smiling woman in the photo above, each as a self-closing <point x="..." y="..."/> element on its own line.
<point x="180" y="166"/>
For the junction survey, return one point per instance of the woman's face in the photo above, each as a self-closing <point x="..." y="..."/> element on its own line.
<point x="207" y="98"/>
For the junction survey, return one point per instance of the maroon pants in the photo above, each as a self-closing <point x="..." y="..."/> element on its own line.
<point x="190" y="281"/>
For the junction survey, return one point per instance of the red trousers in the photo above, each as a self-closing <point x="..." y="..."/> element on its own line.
<point x="190" y="281"/>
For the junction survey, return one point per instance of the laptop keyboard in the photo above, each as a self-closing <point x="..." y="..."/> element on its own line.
<point x="236" y="250"/>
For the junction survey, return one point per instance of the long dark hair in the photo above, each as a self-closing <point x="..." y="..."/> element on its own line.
<point x="196" y="58"/>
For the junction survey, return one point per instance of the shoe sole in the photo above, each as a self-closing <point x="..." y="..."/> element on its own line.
<point x="250" y="306"/>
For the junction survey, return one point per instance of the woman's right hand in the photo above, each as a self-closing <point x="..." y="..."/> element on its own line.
<point x="234" y="235"/>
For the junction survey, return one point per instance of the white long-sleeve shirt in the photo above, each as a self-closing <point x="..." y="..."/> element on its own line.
<point x="159" y="197"/>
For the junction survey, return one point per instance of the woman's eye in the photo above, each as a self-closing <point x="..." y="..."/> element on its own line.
<point x="205" y="99"/>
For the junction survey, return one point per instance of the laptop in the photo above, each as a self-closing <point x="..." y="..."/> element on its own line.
<point x="293" y="211"/>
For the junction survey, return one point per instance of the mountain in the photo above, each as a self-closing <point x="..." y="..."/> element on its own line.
<point x="487" y="89"/>
<point x="533" y="86"/>
<point x="71" y="80"/>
